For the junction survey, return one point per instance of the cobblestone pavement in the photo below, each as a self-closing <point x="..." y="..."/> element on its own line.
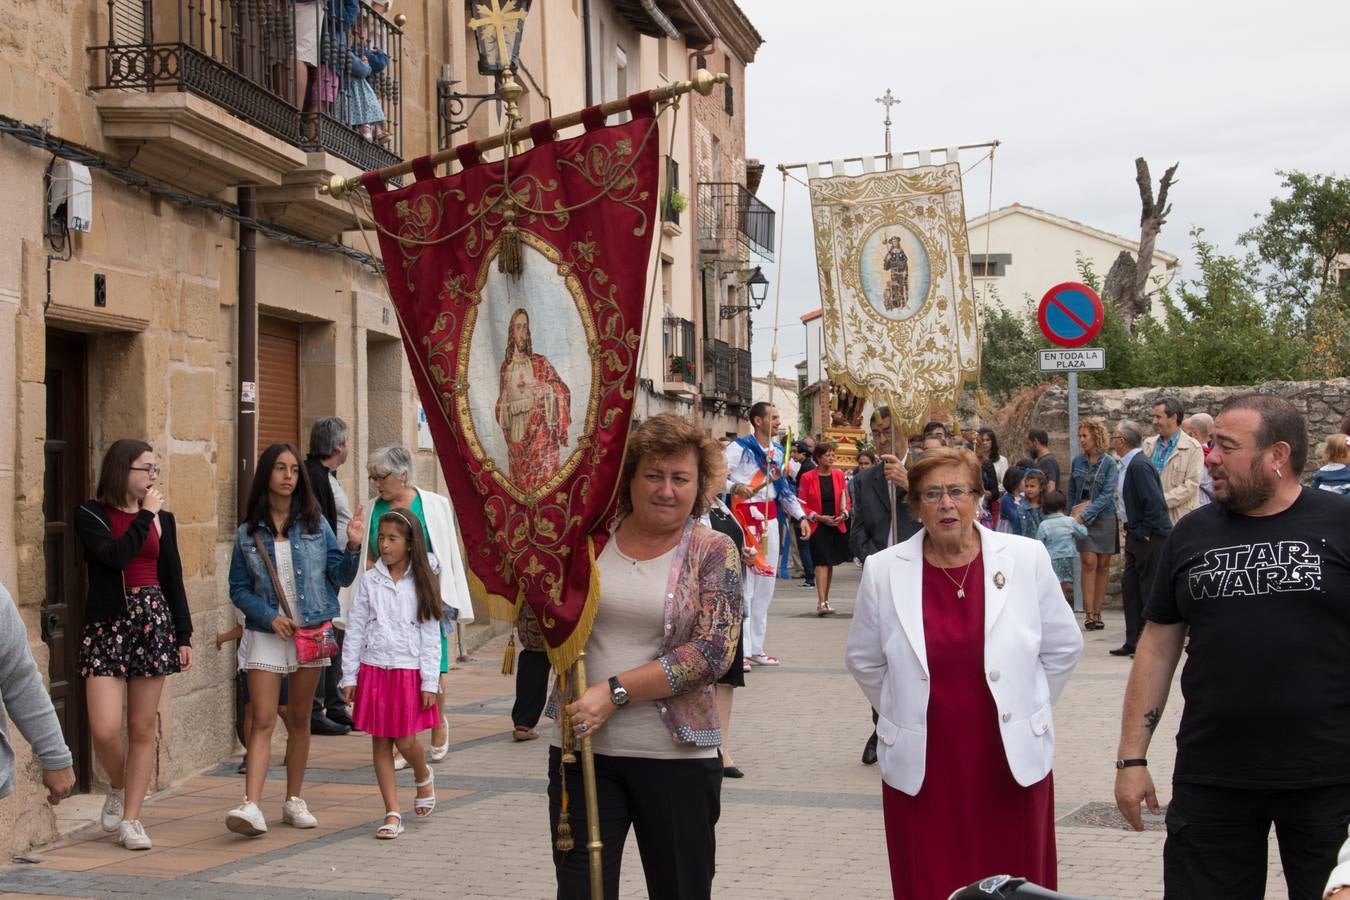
<point x="805" y="822"/>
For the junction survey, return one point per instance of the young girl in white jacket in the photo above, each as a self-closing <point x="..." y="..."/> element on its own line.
<point x="391" y="662"/>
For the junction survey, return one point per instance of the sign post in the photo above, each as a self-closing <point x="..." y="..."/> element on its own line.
<point x="1070" y="315"/>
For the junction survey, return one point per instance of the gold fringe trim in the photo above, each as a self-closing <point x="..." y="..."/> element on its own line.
<point x="563" y="657"/>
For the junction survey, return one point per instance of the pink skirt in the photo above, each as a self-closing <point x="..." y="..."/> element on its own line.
<point x="388" y="703"/>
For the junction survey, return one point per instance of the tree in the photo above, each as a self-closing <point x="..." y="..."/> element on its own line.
<point x="1300" y="238"/>
<point x="1008" y="344"/>
<point x="1220" y="330"/>
<point x="1136" y="302"/>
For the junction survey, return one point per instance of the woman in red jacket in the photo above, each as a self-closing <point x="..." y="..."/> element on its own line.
<point x="824" y="496"/>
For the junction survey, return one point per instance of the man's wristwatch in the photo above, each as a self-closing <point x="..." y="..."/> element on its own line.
<point x="1126" y="763"/>
<point x="618" y="694"/>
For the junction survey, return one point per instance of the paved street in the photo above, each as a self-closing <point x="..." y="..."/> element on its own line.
<point x="804" y="823"/>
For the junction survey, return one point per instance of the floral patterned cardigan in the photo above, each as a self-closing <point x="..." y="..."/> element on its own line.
<point x="702" y="625"/>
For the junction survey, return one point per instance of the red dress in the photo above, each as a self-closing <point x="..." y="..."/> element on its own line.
<point x="970" y="819"/>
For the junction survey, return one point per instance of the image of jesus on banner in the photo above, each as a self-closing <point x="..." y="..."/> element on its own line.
<point x="534" y="409"/>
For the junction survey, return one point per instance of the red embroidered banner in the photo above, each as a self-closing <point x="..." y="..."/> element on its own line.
<point x="528" y="379"/>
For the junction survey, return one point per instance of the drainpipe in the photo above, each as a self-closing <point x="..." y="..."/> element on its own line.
<point x="586" y="42"/>
<point x="247" y="428"/>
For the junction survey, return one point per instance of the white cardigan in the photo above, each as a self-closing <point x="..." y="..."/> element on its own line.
<point x="439" y="517"/>
<point x="1031" y="643"/>
<point x="383" y="631"/>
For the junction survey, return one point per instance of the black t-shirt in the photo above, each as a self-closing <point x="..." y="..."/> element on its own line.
<point x="1267" y="675"/>
<point x="1047" y="463"/>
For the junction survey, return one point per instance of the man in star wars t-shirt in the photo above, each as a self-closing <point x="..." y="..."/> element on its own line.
<point x="1260" y="579"/>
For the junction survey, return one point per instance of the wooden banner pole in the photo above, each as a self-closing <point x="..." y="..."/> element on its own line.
<point x="593" y="843"/>
<point x="702" y="82"/>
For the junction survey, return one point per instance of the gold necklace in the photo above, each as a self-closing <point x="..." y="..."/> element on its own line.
<point x="960" y="588"/>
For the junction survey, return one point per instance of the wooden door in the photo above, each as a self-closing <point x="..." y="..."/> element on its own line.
<point x="66" y="484"/>
<point x="278" y="383"/>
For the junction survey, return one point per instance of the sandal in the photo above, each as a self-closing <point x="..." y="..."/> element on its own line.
<point x="390" y="830"/>
<point x="423" y="806"/>
<point x="437" y="752"/>
<point x="521" y="733"/>
<point x="824" y="609"/>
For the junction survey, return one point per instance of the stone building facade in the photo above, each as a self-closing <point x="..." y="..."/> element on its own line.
<point x="132" y="328"/>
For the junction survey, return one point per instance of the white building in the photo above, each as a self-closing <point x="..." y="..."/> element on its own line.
<point x="1031" y="251"/>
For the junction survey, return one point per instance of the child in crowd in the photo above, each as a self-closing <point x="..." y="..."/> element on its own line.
<point x="1029" y="510"/>
<point x="240" y="633"/>
<point x="1335" y="475"/>
<point x="391" y="660"/>
<point x="1059" y="534"/>
<point x="1009" y="520"/>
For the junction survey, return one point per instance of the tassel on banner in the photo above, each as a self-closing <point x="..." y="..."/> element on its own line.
<point x="509" y="258"/>
<point x="509" y="657"/>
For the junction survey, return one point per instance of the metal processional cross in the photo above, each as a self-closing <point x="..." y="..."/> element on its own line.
<point x="888" y="100"/>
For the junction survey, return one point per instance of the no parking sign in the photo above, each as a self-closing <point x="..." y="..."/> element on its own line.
<point x="1070" y="314"/>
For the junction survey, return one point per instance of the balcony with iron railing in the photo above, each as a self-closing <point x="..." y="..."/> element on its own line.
<point x="322" y="76"/>
<point x="732" y="222"/>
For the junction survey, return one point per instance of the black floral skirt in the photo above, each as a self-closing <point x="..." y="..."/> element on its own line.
<point x="140" y="643"/>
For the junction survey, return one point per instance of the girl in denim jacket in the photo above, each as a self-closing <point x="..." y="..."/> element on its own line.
<point x="284" y="522"/>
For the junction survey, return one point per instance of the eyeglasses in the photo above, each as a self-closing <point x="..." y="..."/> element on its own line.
<point x="376" y="479"/>
<point x="152" y="471"/>
<point x="955" y="491"/>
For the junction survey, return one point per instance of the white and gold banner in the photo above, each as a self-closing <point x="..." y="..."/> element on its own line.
<point x="895" y="287"/>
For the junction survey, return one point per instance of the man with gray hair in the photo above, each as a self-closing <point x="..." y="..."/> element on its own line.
<point x="1176" y="456"/>
<point x="1258" y="581"/>
<point x="1143" y="510"/>
<point x="328" y="451"/>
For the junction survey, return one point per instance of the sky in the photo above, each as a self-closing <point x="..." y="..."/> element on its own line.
<point x="1074" y="91"/>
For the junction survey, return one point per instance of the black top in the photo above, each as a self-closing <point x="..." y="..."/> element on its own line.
<point x="106" y="557"/>
<point x="1047" y="463"/>
<point x="726" y="523"/>
<point x="869" y="527"/>
<point x="1267" y="675"/>
<point x="323" y="489"/>
<point x="827" y="504"/>
<point x="1145" y="507"/>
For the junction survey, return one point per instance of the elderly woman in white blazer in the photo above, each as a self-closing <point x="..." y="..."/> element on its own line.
<point x="961" y="640"/>
<point x="391" y="476"/>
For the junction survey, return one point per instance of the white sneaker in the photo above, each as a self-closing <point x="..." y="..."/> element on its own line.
<point x="131" y="834"/>
<point x="113" y="809"/>
<point x="295" y="813"/>
<point x="246" y="819"/>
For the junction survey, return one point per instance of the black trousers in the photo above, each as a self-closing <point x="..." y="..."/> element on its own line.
<point x="1136" y="580"/>
<point x="327" y="696"/>
<point x="1217" y="839"/>
<point x="672" y="805"/>
<point x="532" y="670"/>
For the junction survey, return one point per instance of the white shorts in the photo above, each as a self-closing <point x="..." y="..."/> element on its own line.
<point x="264" y="650"/>
<point x="308" y="25"/>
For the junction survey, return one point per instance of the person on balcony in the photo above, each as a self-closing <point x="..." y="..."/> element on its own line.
<point x="366" y="62"/>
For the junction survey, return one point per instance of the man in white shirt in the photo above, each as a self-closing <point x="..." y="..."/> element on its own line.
<point x="757" y="478"/>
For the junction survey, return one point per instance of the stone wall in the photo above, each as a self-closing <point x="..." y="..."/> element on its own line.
<point x="1323" y="403"/>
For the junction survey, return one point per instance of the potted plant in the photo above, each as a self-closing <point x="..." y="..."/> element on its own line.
<point x="676" y="203"/>
<point x="681" y="368"/>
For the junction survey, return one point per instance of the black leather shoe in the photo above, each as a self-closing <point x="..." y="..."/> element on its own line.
<point x="325" y="725"/>
<point x="1123" y="650"/>
<point x="869" y="756"/>
<point x="732" y="772"/>
<point x="341" y="718"/>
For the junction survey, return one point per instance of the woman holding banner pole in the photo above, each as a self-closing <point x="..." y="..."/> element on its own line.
<point x="653" y="656"/>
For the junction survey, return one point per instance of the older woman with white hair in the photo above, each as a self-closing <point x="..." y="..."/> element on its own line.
<point x="391" y="475"/>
